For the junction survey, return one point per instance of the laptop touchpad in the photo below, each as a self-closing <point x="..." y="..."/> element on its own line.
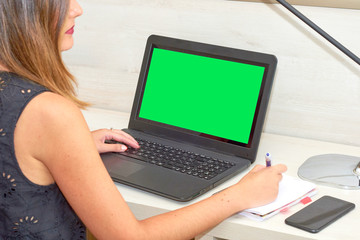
<point x="121" y="167"/>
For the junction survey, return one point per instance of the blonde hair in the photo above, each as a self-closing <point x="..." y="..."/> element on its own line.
<point x="29" y="43"/>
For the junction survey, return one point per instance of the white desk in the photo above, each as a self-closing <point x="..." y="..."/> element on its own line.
<point x="288" y="150"/>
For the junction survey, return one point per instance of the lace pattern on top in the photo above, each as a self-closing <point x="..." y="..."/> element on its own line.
<point x="28" y="210"/>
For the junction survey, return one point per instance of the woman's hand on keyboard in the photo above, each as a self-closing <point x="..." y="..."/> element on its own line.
<point x="121" y="139"/>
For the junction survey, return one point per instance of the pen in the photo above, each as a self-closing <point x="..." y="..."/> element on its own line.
<point x="268" y="159"/>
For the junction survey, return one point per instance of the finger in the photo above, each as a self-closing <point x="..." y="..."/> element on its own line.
<point x="113" y="148"/>
<point x="257" y="168"/>
<point x="280" y="168"/>
<point x="123" y="133"/>
<point x="124" y="139"/>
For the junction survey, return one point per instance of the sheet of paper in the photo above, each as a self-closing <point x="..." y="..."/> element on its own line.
<point x="290" y="189"/>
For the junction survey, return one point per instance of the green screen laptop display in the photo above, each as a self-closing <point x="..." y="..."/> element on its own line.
<point x="211" y="96"/>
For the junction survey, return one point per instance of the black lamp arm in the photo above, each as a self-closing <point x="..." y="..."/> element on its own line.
<point x="320" y="31"/>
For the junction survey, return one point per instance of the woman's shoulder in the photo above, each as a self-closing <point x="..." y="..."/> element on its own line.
<point x="33" y="101"/>
<point x="49" y="120"/>
<point x="50" y="107"/>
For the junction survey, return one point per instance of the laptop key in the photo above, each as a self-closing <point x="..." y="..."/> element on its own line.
<point x="190" y="163"/>
<point x="136" y="156"/>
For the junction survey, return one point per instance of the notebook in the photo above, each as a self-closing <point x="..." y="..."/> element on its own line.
<point x="291" y="191"/>
<point x="205" y="101"/>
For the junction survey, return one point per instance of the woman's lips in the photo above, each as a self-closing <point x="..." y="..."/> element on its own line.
<point x="70" y="31"/>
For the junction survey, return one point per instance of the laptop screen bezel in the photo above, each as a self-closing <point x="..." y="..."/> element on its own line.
<point x="247" y="151"/>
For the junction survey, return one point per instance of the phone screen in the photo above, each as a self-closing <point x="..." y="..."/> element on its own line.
<point x="320" y="214"/>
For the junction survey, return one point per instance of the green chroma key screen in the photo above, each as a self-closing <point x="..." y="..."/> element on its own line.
<point x="203" y="94"/>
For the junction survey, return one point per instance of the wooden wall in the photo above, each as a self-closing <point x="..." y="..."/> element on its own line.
<point x="316" y="93"/>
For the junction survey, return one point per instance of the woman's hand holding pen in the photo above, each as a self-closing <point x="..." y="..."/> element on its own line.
<point x="260" y="186"/>
<point x="124" y="140"/>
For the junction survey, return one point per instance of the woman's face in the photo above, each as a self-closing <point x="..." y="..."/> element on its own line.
<point x="67" y="40"/>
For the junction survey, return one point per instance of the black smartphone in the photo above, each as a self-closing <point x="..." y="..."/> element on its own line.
<point x="319" y="214"/>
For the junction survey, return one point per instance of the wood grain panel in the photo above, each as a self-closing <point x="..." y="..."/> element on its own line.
<point x="316" y="93"/>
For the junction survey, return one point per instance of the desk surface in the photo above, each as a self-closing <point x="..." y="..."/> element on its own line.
<point x="288" y="150"/>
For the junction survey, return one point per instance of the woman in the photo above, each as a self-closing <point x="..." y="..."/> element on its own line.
<point x="52" y="180"/>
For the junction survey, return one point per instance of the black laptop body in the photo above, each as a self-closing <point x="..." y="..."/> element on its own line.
<point x="206" y="101"/>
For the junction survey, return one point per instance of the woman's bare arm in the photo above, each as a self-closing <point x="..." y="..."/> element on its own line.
<point x="61" y="140"/>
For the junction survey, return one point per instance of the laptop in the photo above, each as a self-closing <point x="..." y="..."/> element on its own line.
<point x="198" y="115"/>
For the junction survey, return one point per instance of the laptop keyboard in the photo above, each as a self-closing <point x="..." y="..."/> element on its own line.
<point x="178" y="160"/>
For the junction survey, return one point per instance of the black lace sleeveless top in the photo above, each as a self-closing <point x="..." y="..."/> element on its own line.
<point x="27" y="210"/>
